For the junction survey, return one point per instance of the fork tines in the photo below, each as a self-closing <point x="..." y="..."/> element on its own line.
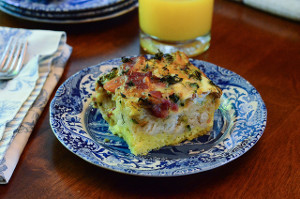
<point x="12" y="58"/>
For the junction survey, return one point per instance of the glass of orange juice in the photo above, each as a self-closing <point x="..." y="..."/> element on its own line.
<point x="172" y="25"/>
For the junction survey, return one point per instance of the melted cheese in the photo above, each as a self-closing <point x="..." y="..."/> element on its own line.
<point x="168" y="77"/>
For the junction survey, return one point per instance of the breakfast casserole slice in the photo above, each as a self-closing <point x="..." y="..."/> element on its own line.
<point x="156" y="102"/>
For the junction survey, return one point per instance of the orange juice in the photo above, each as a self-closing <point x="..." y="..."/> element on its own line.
<point x="175" y="20"/>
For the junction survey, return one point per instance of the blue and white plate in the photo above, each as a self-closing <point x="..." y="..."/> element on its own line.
<point x="238" y="125"/>
<point x="70" y="18"/>
<point x="68" y="15"/>
<point x="61" y="5"/>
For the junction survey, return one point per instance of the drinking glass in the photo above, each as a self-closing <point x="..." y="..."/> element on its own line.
<point x="172" y="25"/>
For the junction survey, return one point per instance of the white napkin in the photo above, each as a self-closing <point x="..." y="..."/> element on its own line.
<point x="23" y="99"/>
<point x="289" y="9"/>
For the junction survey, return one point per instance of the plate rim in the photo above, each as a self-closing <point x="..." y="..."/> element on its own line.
<point x="87" y="19"/>
<point x="68" y="15"/>
<point x="39" y="7"/>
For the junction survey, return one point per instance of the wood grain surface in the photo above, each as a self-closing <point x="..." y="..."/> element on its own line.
<point x="262" y="48"/>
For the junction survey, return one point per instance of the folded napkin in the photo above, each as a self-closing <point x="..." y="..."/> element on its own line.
<point x="23" y="98"/>
<point x="289" y="9"/>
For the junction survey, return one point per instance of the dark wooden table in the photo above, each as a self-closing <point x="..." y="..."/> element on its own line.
<point x="262" y="48"/>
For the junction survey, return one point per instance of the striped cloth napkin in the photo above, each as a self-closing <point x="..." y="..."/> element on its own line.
<point x="23" y="98"/>
<point x="289" y="9"/>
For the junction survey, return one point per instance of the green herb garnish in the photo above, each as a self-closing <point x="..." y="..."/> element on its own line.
<point x="169" y="58"/>
<point x="158" y="55"/>
<point x="99" y="82"/>
<point x="134" y="121"/>
<point x="188" y="127"/>
<point x="174" y="97"/>
<point x="123" y="118"/>
<point x="124" y="96"/>
<point x="125" y="71"/>
<point x="130" y="83"/>
<point x="105" y="78"/>
<point x="165" y="68"/>
<point x="194" y="85"/>
<point x="196" y="75"/>
<point x="144" y="102"/>
<point x="125" y="59"/>
<point x="171" y="79"/>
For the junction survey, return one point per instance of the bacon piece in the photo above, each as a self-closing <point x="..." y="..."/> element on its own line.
<point x="156" y="94"/>
<point x="140" y="63"/>
<point x="155" y="102"/>
<point x="174" y="107"/>
<point x="134" y="64"/>
<point x="129" y="65"/>
<point x="114" y="83"/>
<point x="161" y="109"/>
<point x="137" y="79"/>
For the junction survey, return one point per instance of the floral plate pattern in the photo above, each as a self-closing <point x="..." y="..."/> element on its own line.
<point x="238" y="125"/>
<point x="61" y="5"/>
<point x="68" y="15"/>
<point x="71" y="18"/>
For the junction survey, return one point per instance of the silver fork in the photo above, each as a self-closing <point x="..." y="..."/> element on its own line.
<point x="12" y="59"/>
